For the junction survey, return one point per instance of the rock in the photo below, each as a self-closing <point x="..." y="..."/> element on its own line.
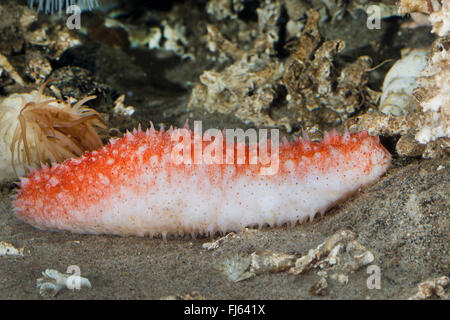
<point x="432" y="288"/>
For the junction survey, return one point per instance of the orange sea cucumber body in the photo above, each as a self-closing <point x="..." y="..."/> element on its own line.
<point x="132" y="187"/>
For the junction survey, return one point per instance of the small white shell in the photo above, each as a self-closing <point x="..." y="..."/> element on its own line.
<point x="8" y="249"/>
<point x="400" y="81"/>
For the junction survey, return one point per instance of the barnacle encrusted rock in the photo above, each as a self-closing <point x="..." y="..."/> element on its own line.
<point x="54" y="37"/>
<point x="416" y="91"/>
<point x="408" y="6"/>
<point x="440" y="19"/>
<point x="432" y="288"/>
<point x="405" y="127"/>
<point x="433" y="91"/>
<point x="37" y="66"/>
<point x="30" y="44"/>
<point x="221" y="9"/>
<point x="15" y="20"/>
<point x="295" y="9"/>
<point x="438" y="11"/>
<point x="303" y="90"/>
<point x="434" y="94"/>
<point x="380" y="124"/>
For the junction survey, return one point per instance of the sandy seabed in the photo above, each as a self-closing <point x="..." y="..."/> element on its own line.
<point x="403" y="220"/>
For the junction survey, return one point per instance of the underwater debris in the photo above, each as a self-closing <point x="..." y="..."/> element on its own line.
<point x="334" y="10"/>
<point x="174" y="36"/>
<point x="437" y="11"/>
<point x="241" y="267"/>
<point x="432" y="288"/>
<point x="54" y="281"/>
<point x="235" y="268"/>
<point x="227" y="239"/>
<point x="428" y="117"/>
<point x="320" y="288"/>
<point x="423" y="123"/>
<point x="340" y="252"/>
<point x="37" y="66"/>
<point x="262" y="90"/>
<point x="120" y="108"/>
<point x="380" y="124"/>
<point x="440" y="19"/>
<point x="55" y="38"/>
<point x="434" y="94"/>
<point x="37" y="129"/>
<point x="339" y="277"/>
<point x="169" y="35"/>
<point x="409" y="6"/>
<point x="312" y="82"/>
<point x="16" y="21"/>
<point x="224" y="9"/>
<point x="6" y="66"/>
<point x="7" y="249"/>
<point x="215" y="244"/>
<point x="270" y="261"/>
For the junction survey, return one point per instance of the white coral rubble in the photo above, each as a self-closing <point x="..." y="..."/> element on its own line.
<point x="54" y="281"/>
<point x="441" y="20"/>
<point x="433" y="90"/>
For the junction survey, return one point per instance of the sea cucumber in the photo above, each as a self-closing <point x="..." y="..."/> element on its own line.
<point x="133" y="187"/>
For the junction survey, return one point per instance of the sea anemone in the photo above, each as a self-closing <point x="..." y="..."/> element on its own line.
<point x="36" y="129"/>
<point x="51" y="6"/>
